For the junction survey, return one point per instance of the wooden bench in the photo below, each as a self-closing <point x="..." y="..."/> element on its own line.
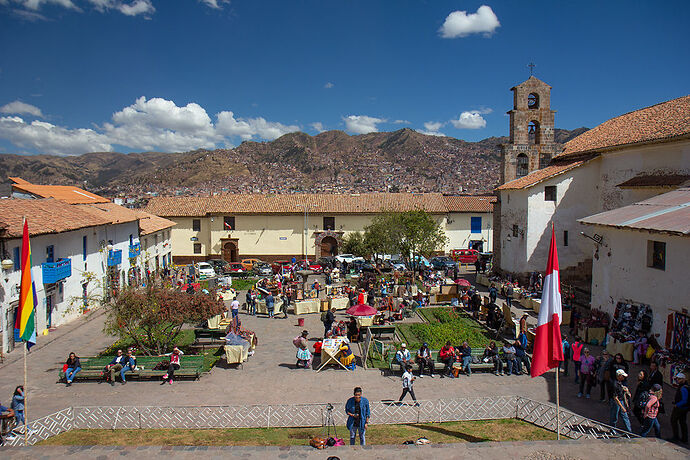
<point x="378" y="331"/>
<point x="440" y="365"/>
<point x="213" y="334"/>
<point x="92" y="368"/>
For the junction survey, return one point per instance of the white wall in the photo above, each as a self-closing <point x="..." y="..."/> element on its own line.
<point x="66" y="245"/>
<point x="583" y="191"/>
<point x="458" y="230"/>
<point x="157" y="245"/>
<point x="621" y="274"/>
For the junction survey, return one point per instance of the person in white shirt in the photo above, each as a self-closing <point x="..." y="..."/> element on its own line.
<point x="235" y="307"/>
<point x="407" y="380"/>
<point x="403" y="356"/>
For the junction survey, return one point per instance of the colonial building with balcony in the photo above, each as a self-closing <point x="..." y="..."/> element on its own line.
<point x="275" y="227"/>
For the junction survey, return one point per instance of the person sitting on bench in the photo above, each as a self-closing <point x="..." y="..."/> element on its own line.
<point x="424" y="360"/>
<point x="173" y="366"/>
<point x="491" y="356"/>
<point x="465" y="355"/>
<point x="510" y="359"/>
<point x="130" y="364"/>
<point x="447" y="355"/>
<point x="73" y="366"/>
<point x="114" y="367"/>
<point x="403" y="356"/>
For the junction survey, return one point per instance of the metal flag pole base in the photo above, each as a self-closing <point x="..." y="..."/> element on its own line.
<point x="558" y="409"/>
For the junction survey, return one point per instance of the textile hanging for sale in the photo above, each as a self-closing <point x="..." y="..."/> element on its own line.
<point x="680" y="343"/>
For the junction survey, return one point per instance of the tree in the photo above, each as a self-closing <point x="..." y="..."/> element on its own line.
<point x="353" y="243"/>
<point x="152" y="317"/>
<point x="409" y="233"/>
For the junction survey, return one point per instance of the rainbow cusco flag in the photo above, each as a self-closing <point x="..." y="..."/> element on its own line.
<point x="25" y="324"/>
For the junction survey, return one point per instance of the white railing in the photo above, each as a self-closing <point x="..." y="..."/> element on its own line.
<point x="303" y="415"/>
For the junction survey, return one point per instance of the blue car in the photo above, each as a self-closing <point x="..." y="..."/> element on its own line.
<point x="443" y="263"/>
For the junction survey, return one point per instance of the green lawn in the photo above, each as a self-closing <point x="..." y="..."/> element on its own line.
<point x="447" y="432"/>
<point x="443" y="325"/>
<point x="242" y="284"/>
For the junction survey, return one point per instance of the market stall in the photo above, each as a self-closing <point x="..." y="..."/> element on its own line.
<point x="236" y="354"/>
<point x="302" y="307"/>
<point x="330" y="352"/>
<point x="261" y="306"/>
<point x="338" y="302"/>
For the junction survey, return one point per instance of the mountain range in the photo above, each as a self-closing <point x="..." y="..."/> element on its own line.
<point x="332" y="161"/>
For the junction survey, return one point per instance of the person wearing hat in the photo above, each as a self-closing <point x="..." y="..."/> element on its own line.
<point x="650" y="412"/>
<point x="679" y="414"/>
<point x="424" y="360"/>
<point x="173" y="365"/>
<point x="403" y="356"/>
<point x="620" y="402"/>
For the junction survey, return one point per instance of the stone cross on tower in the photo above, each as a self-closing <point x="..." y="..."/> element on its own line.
<point x="531" y="68"/>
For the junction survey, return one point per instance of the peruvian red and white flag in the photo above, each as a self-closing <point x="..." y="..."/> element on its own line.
<point x="548" y="346"/>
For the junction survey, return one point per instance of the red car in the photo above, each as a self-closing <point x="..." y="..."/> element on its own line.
<point x="236" y="269"/>
<point x="464" y="256"/>
<point x="310" y="265"/>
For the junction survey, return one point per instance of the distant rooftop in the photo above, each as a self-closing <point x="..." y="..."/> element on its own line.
<point x="66" y="193"/>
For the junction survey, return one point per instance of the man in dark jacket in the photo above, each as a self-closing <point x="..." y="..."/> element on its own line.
<point x="328" y="321"/>
<point x="681" y="405"/>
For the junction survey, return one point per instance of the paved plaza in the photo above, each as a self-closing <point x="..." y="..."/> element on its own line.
<point x="269" y="377"/>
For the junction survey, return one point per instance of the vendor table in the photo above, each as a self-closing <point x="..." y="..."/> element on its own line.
<point x="214" y="322"/>
<point x="365" y="321"/>
<point x="236" y="354"/>
<point x="307" y="306"/>
<point x="598" y="333"/>
<point x="624" y="348"/>
<point x="261" y="306"/>
<point x="339" y="303"/>
<point x="531" y="303"/>
<point x="330" y="352"/>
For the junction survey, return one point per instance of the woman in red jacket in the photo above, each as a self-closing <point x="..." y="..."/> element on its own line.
<point x="447" y="355"/>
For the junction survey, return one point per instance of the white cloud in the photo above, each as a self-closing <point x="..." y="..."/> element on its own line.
<point x="147" y="124"/>
<point x="215" y="4"/>
<point x="36" y="4"/>
<point x="318" y="126"/>
<point x="45" y="137"/>
<point x="132" y="8"/>
<point x="401" y="122"/>
<point x="485" y="110"/>
<point x="328" y="85"/>
<point x="362" y="124"/>
<point x="461" y="24"/>
<point x="432" y="128"/>
<point x="469" y="120"/>
<point x="19" y="107"/>
<point x="228" y="125"/>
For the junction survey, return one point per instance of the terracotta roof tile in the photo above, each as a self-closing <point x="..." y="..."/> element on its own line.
<point x="66" y="193"/>
<point x="660" y="122"/>
<point x="111" y="212"/>
<point x="540" y="175"/>
<point x="366" y="203"/>
<point x="44" y="216"/>
<point x="149" y="223"/>
<point x="469" y="203"/>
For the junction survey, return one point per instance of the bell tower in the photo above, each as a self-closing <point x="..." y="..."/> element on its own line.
<point x="531" y="144"/>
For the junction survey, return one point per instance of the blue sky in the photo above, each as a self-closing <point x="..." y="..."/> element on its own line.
<point x="174" y="75"/>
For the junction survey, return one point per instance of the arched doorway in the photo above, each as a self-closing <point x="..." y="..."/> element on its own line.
<point x="329" y="246"/>
<point x="230" y="252"/>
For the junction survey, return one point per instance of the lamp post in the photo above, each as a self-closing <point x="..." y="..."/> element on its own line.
<point x="305" y="239"/>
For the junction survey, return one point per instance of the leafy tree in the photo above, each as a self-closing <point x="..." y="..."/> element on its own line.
<point x="152" y="317"/>
<point x="353" y="243"/>
<point x="409" y="233"/>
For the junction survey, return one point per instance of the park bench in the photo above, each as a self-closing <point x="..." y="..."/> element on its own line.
<point x="92" y="368"/>
<point x="439" y="365"/>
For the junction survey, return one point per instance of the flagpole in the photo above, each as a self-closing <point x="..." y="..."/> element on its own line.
<point x="558" y="409"/>
<point x="26" y="425"/>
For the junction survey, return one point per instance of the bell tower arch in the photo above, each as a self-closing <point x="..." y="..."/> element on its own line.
<point x="531" y="145"/>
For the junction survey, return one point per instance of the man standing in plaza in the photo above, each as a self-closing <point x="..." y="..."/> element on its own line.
<point x="620" y="402"/>
<point x="358" y="413"/>
<point x="679" y="414"/>
<point x="235" y="308"/>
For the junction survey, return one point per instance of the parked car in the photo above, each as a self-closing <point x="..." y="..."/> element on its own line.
<point x="363" y="265"/>
<point x="219" y="265"/>
<point x="325" y="262"/>
<point x="236" y="269"/>
<point x="262" y="269"/>
<point x="248" y="264"/>
<point x="349" y="258"/>
<point x="464" y="256"/>
<point x="443" y="263"/>
<point x="307" y="264"/>
<point x="396" y="264"/>
<point x="420" y="262"/>
<point x="278" y="265"/>
<point x="205" y="270"/>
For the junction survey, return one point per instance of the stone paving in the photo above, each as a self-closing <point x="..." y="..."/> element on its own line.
<point x="535" y="450"/>
<point x="268" y="377"/>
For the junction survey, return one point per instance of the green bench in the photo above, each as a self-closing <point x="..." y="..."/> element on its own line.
<point x="92" y="368"/>
<point x="212" y="334"/>
<point x="440" y="365"/>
